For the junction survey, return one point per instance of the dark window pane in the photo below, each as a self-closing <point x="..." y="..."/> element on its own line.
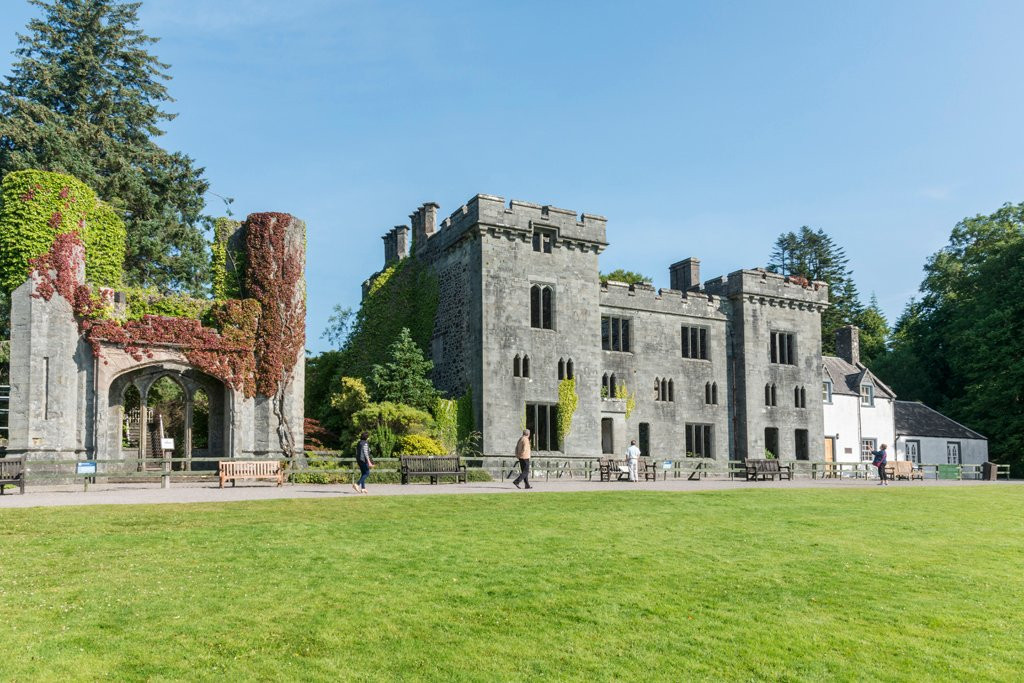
<point x="606" y="335"/>
<point x="569" y="371"/>
<point x="546" y="320"/>
<point x="516" y="371"/>
<point x="547" y="244"/>
<point x="615" y="334"/>
<point x="531" y="423"/>
<point x="542" y="428"/>
<point x="703" y="344"/>
<point x="625" y="335"/>
<point x="686" y="342"/>
<point x="553" y="429"/>
<point x="535" y="306"/>
<point x="536" y="241"/>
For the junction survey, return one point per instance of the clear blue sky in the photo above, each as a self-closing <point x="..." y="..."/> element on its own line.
<point x="699" y="129"/>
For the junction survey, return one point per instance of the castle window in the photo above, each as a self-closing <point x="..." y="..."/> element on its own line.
<point x="606" y="387"/>
<point x="714" y="393"/>
<point x="561" y="368"/>
<point x="526" y="366"/>
<point x="695" y="342"/>
<point x="699" y="441"/>
<point x="542" y="241"/>
<point x="517" y="366"/>
<point x="542" y="421"/>
<point x="615" y="334"/>
<point x="799" y="397"/>
<point x="826" y="392"/>
<point x="782" y="348"/>
<point x="664" y="390"/>
<point x="570" y="373"/>
<point x="867" y="395"/>
<point x="711" y="393"/>
<point x="770" y="396"/>
<point x="542" y="307"/>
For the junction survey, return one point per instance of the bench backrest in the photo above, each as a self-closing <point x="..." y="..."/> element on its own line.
<point x="12" y="468"/>
<point x="252" y="468"/>
<point x="903" y="468"/>
<point x="763" y="465"/>
<point x="423" y="463"/>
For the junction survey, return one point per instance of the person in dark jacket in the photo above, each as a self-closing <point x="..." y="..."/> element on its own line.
<point x="364" y="461"/>
<point x="880" y="462"/>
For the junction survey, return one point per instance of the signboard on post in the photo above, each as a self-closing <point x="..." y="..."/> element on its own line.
<point x="167" y="444"/>
<point x="85" y="468"/>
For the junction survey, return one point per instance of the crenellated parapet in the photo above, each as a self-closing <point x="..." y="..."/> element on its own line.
<point x="762" y="287"/>
<point x="396" y="244"/>
<point x="644" y="297"/>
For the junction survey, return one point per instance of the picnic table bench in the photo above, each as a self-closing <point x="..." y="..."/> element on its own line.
<point x="764" y="469"/>
<point x="250" y="469"/>
<point x="432" y="466"/>
<point x="12" y="473"/>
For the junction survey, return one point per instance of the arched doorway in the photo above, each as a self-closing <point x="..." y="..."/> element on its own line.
<point x="170" y="401"/>
<point x="166" y="422"/>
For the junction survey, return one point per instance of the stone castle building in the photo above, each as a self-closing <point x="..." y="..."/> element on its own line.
<point x="725" y="368"/>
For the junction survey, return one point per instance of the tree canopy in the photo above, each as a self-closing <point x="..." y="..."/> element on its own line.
<point x="960" y="348"/>
<point x="628" y="276"/>
<point x="85" y="98"/>
<point x="813" y="254"/>
<point x="405" y="376"/>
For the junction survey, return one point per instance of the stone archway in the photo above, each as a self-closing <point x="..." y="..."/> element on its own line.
<point x="132" y="440"/>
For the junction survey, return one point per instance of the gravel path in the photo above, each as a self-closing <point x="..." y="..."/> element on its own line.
<point x="136" y="494"/>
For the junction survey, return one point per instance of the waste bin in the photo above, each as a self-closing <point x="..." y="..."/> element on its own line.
<point x="989" y="471"/>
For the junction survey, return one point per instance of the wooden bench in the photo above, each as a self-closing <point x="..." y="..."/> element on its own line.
<point x="250" y="469"/>
<point x="12" y="473"/>
<point x="646" y="470"/>
<point x="903" y="469"/>
<point x="764" y="469"/>
<point x="432" y="466"/>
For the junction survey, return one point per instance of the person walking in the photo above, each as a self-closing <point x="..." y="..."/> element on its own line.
<point x="879" y="462"/>
<point x="523" y="455"/>
<point x="364" y="461"/>
<point x="632" y="454"/>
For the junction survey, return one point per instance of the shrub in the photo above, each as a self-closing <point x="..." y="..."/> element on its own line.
<point x="401" y="419"/>
<point x="420" y="444"/>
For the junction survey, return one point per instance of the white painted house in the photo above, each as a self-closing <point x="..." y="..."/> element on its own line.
<point x="858" y="407"/>
<point x="927" y="436"/>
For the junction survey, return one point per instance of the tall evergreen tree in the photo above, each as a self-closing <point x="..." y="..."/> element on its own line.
<point x="874" y="332"/>
<point x="814" y="255"/>
<point x="404" y="378"/>
<point x="85" y="99"/>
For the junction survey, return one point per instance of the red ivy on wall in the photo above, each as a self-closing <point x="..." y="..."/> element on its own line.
<point x="275" y="262"/>
<point x="226" y="354"/>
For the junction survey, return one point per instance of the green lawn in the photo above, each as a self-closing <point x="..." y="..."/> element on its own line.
<point x="897" y="584"/>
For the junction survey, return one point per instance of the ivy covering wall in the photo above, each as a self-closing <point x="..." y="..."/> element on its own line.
<point x="228" y="263"/>
<point x="403" y="295"/>
<point x="36" y="206"/>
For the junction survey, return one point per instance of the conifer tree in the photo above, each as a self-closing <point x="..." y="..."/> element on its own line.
<point x="874" y="332"/>
<point x="404" y="377"/>
<point x="814" y="255"/>
<point x="85" y="98"/>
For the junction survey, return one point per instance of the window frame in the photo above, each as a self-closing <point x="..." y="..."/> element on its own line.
<point x="542" y="421"/>
<point x="692" y="336"/>
<point x="866" y="446"/>
<point x="699" y="440"/>
<point x="542" y="306"/>
<point x="782" y="347"/>
<point x="826" y="391"/>
<point x="616" y="334"/>
<point x="869" y="395"/>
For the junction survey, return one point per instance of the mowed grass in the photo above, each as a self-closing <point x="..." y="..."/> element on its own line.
<point x="893" y="584"/>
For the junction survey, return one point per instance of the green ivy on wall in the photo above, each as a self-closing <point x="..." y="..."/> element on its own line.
<point x="148" y="301"/>
<point x="36" y="206"/>
<point x="403" y="295"/>
<point x="228" y="264"/>
<point x="568" y="400"/>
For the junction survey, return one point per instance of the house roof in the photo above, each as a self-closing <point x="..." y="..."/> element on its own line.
<point x="917" y="419"/>
<point x="847" y="378"/>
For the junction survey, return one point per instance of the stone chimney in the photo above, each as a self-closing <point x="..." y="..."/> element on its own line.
<point x="684" y="274"/>
<point x="396" y="243"/>
<point x="424" y="220"/>
<point x="848" y="344"/>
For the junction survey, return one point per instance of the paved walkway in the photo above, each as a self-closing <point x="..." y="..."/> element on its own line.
<point x="135" y="494"/>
